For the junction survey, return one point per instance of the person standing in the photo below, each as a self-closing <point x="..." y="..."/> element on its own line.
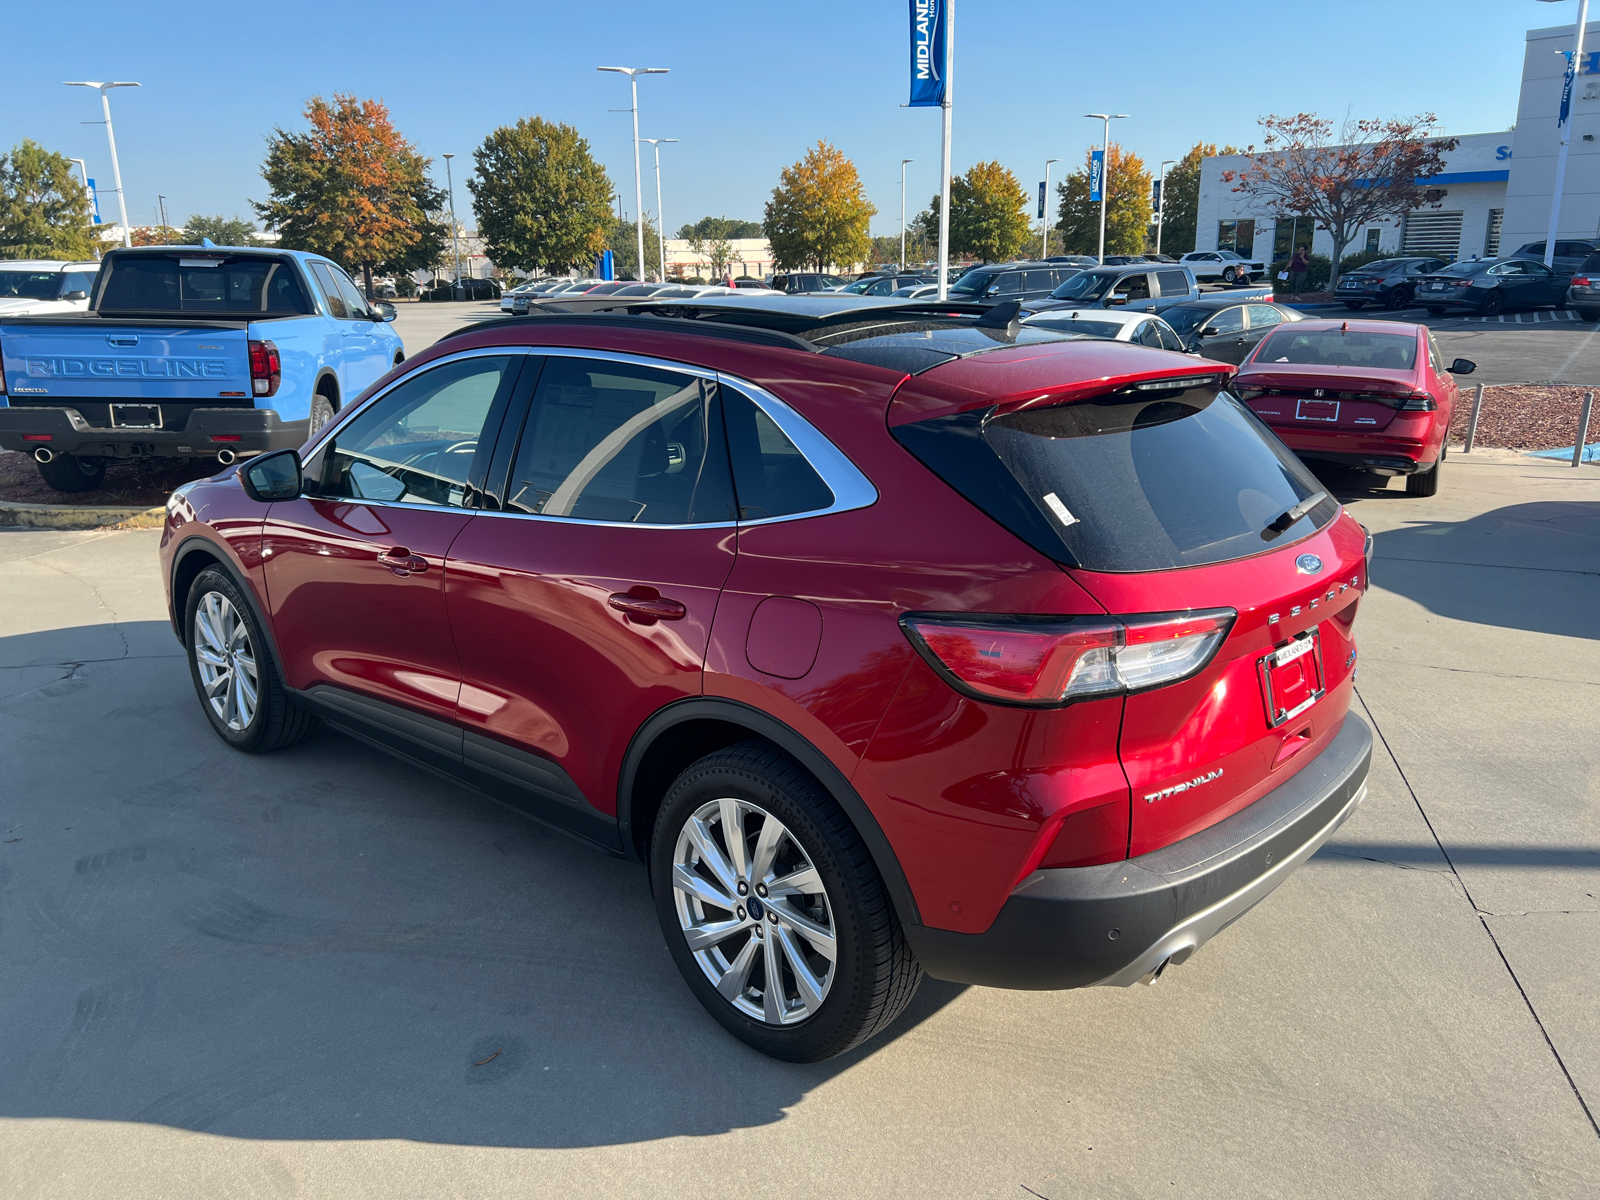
<point x="1297" y="271"/>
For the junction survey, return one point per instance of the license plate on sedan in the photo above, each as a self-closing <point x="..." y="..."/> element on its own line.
<point x="1317" y="410"/>
<point x="136" y="416"/>
<point x="1291" y="677"/>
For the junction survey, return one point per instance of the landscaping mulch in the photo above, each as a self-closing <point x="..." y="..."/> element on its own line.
<point x="1524" y="416"/>
<point x="135" y="483"/>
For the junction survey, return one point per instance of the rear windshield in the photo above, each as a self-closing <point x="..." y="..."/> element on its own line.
<point x="1128" y="481"/>
<point x="200" y="284"/>
<point x="1341" y="348"/>
<point x="1096" y="329"/>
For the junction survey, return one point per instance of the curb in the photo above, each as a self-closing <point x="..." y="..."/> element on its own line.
<point x="80" y="516"/>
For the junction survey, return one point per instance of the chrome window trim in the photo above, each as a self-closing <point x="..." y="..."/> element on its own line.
<point x="850" y="487"/>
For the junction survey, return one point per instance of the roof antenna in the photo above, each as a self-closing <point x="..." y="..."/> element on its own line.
<point x="1001" y="316"/>
<point x="207" y="243"/>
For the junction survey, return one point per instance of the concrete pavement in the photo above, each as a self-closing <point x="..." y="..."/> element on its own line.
<point x="319" y="974"/>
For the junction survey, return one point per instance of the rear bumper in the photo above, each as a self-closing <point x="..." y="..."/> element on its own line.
<point x="1380" y="464"/>
<point x="1119" y="924"/>
<point x="206" y="431"/>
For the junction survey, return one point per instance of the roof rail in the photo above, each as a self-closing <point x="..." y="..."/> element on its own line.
<point x="624" y="319"/>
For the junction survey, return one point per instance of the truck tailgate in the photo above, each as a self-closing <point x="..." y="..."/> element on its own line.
<point x="80" y="358"/>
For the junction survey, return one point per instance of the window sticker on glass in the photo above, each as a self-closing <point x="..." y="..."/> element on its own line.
<point x="1061" y="511"/>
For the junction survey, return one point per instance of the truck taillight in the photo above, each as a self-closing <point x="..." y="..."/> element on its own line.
<point x="1046" y="662"/>
<point x="266" y="369"/>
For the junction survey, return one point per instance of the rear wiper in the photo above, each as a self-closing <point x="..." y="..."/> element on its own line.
<point x="1288" y="517"/>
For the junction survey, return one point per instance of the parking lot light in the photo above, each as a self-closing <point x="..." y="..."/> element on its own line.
<point x="1105" y="172"/>
<point x="1044" y="203"/>
<point x="1564" y="124"/>
<point x="661" y="221"/>
<point x="633" y="74"/>
<point x="903" y="163"/>
<point x="116" y="171"/>
<point x="455" y="230"/>
<point x="1161" y="210"/>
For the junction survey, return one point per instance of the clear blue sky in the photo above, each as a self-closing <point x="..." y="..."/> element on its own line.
<point x="752" y="84"/>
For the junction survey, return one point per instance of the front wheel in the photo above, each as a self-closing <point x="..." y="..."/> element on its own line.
<point x="1229" y="275"/>
<point x="70" y="473"/>
<point x="773" y="910"/>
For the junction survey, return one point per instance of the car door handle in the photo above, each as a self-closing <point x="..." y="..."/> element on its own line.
<point x="402" y="562"/>
<point x="645" y="606"/>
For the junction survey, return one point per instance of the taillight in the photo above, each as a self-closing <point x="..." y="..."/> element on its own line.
<point x="2" y="377"/>
<point x="1462" y="282"/>
<point x="1419" y="402"/>
<point x="1046" y="662"/>
<point x="1580" y="281"/>
<point x="266" y="369"/>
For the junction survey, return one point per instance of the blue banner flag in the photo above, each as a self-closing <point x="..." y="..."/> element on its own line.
<point x="1041" y="199"/>
<point x="929" y="53"/>
<point x="1566" y="90"/>
<point x="94" y="202"/>
<point x="1097" y="174"/>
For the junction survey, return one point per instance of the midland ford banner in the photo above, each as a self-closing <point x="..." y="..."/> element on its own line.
<point x="929" y="53"/>
<point x="1097" y="175"/>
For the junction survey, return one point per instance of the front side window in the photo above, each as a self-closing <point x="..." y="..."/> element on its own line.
<point x="973" y="283"/>
<point x="615" y="442"/>
<point x="1229" y="320"/>
<point x="353" y="299"/>
<point x="1133" y="287"/>
<point x="422" y="441"/>
<point x="330" y="291"/>
<point x="1089" y="285"/>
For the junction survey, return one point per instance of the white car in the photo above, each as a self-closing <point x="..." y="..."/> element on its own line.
<point x="1224" y="265"/>
<point x="42" y="287"/>
<point x="1143" y="328"/>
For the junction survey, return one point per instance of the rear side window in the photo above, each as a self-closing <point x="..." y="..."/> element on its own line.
<point x="1133" y="480"/>
<point x="1173" y="283"/>
<point x="1264" y="316"/>
<point x="1334" y="347"/>
<point x="770" y="475"/>
<point x="1590" y="264"/>
<point x="162" y="283"/>
<point x="620" y="443"/>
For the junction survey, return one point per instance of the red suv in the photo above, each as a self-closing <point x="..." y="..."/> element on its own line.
<point x="1372" y="395"/>
<point x="891" y="637"/>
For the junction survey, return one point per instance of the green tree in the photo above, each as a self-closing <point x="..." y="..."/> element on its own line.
<point x="351" y="187"/>
<point x="622" y="239"/>
<point x="988" y="213"/>
<point x="819" y="212"/>
<point x="1179" y="223"/>
<point x="723" y="227"/>
<point x="1127" y="206"/>
<point x="44" y="211"/>
<point x="543" y="202"/>
<point x="223" y="231"/>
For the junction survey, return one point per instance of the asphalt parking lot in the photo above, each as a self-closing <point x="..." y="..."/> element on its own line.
<point x="319" y="974"/>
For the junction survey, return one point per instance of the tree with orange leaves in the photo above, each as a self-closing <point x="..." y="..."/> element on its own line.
<point x="1370" y="171"/>
<point x="354" y="189"/>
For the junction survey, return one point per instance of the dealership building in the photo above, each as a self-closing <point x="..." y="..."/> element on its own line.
<point x="1497" y="186"/>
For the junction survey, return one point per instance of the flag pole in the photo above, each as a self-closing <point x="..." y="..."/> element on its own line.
<point x="944" y="158"/>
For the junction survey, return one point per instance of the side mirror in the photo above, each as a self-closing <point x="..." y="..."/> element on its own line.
<point x="1119" y="298"/>
<point x="1463" y="366"/>
<point x="274" y="476"/>
<point x="385" y="310"/>
<point x="79" y="294"/>
<point x="1206" y="332"/>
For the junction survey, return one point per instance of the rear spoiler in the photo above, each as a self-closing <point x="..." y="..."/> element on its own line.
<point x="150" y="320"/>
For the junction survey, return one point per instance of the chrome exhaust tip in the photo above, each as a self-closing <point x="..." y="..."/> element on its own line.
<point x="226" y="457"/>
<point x="44" y="454"/>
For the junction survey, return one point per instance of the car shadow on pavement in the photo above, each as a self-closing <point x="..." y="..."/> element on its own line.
<point x="1525" y="566"/>
<point x="326" y="942"/>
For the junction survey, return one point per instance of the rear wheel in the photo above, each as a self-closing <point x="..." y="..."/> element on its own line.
<point x="1493" y="304"/>
<point x="70" y="473"/>
<point x="1585" y="314"/>
<point x="1435" y="311"/>
<point x="773" y="910"/>
<point x="321" y="414"/>
<point x="1427" y="482"/>
<point x="1398" y="297"/>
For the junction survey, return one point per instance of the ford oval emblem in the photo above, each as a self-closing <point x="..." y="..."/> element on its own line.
<point x="1308" y="564"/>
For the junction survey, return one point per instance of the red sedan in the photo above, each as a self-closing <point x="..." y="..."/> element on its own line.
<point x="1373" y="395"/>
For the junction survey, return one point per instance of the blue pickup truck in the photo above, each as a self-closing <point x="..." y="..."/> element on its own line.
<point x="189" y="351"/>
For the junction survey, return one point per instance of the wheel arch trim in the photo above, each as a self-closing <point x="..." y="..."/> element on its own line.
<point x="222" y="557"/>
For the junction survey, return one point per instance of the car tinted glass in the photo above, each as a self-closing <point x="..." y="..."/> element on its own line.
<point x="1088" y="328"/>
<point x="770" y="475"/>
<point x="30" y="285"/>
<point x="615" y="442"/>
<point x="1185" y="319"/>
<point x="1264" y="316"/>
<point x="1134" y="287"/>
<point x="1169" y="339"/>
<point x="330" y="291"/>
<point x="353" y="299"/>
<point x="418" y="443"/>
<point x="1090" y="285"/>
<point x="1038" y="281"/>
<point x="162" y="283"/>
<point x="78" y="281"/>
<point x="1127" y="481"/>
<point x="1333" y="347"/>
<point x="1228" y="320"/>
<point x="1463" y="268"/>
<point x="1172" y="283"/>
<point x="1590" y="264"/>
<point x="973" y="282"/>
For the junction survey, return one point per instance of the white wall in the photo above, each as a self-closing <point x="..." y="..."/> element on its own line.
<point x="1534" y="168"/>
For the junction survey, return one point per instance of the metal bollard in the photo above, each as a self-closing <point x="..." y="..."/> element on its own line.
<point x="1583" y="429"/>
<point x="1472" y="425"/>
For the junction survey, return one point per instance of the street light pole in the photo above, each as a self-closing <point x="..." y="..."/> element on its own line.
<point x="903" y="163"/>
<point x="1044" y="245"/>
<point x="83" y="169"/>
<point x="1564" y="123"/>
<point x="661" y="221"/>
<point x="1161" y="212"/>
<point x="161" y="207"/>
<point x="949" y="108"/>
<point x="633" y="74"/>
<point x="455" y="230"/>
<point x="116" y="170"/>
<point x="1105" y="172"/>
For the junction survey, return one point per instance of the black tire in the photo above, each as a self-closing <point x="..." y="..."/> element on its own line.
<point x="1427" y="482"/>
<point x="322" y="412"/>
<point x="276" y="721"/>
<point x="70" y="473"/>
<point x="874" y="974"/>
<point x="1353" y="305"/>
<point x="1585" y="314"/>
<point x="1229" y="274"/>
<point x="1493" y="305"/>
<point x="1437" y="312"/>
<point x="1398" y="298"/>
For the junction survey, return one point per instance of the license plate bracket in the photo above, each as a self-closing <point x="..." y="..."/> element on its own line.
<point x="136" y="416"/>
<point x="1291" y="677"/>
<point x="1316" y="410"/>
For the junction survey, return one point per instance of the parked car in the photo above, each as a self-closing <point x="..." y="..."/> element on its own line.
<point x="916" y="291"/>
<point x="1391" y="282"/>
<point x="791" y="667"/>
<point x="1116" y="325"/>
<point x="1583" y="292"/>
<point x="465" y="288"/>
<point x="806" y="281"/>
<point x="1491" y="286"/>
<point x="1569" y="255"/>
<point x="1224" y="265"/>
<point x="45" y="287"/>
<point x="1074" y="260"/>
<point x="1010" y="281"/>
<point x="1373" y="395"/>
<point x="750" y="283"/>
<point x="189" y="352"/>
<point x="882" y="285"/>
<point x="1125" y="260"/>
<point x="1223" y="327"/>
<point x="1138" y="289"/>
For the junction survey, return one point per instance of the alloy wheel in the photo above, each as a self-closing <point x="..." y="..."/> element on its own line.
<point x="227" y="661"/>
<point x="754" y="911"/>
